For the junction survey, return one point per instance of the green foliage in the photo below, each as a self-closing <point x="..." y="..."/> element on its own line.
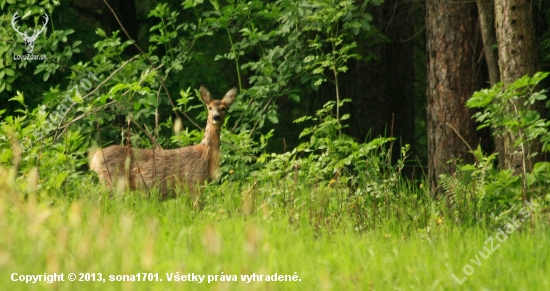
<point x="479" y="193"/>
<point x="509" y="110"/>
<point x="331" y="47"/>
<point x="339" y="173"/>
<point x="53" y="138"/>
<point x="51" y="43"/>
<point x="268" y="42"/>
<point x="325" y="155"/>
<point x="290" y="43"/>
<point x="239" y="155"/>
<point x="57" y="163"/>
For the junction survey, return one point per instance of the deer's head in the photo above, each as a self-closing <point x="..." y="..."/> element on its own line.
<point x="217" y="108"/>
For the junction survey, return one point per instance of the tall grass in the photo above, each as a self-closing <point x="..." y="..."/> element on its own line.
<point x="248" y="229"/>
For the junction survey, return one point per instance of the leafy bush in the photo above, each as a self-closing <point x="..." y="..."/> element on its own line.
<point x="333" y="175"/>
<point x="510" y="113"/>
<point x="479" y="191"/>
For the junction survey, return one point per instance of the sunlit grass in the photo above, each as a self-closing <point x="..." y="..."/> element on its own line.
<point x="128" y="235"/>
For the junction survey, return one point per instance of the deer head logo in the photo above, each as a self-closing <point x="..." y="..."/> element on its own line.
<point x="29" y="40"/>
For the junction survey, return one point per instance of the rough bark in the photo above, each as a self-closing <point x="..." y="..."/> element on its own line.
<point x="488" y="35"/>
<point x="517" y="53"/>
<point x="452" y="78"/>
<point x="486" y="10"/>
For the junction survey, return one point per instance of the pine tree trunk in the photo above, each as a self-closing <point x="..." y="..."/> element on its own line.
<point x="488" y="34"/>
<point x="452" y="79"/>
<point x="517" y="53"/>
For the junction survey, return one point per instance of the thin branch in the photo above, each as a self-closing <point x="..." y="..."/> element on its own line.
<point x="242" y="114"/>
<point x="463" y="140"/>
<point x="263" y="111"/>
<point x="152" y="64"/>
<point x="30" y="80"/>
<point x="56" y="136"/>
<point x="146" y="133"/>
<point x="66" y="125"/>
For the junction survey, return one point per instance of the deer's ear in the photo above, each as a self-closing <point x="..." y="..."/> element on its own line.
<point x="205" y="95"/>
<point x="229" y="96"/>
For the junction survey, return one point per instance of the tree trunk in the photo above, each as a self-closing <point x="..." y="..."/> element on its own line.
<point x="486" y="10"/>
<point x="452" y="79"/>
<point x="488" y="35"/>
<point x="517" y="52"/>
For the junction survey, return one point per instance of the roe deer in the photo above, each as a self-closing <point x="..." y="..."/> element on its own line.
<point x="188" y="166"/>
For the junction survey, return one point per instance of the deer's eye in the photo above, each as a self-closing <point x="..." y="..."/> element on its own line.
<point x="223" y="108"/>
<point x="209" y="107"/>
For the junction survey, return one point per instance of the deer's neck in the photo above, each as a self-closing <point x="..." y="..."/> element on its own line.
<point x="211" y="141"/>
<point x="211" y="137"/>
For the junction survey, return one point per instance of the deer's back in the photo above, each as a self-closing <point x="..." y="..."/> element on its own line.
<point x="144" y="168"/>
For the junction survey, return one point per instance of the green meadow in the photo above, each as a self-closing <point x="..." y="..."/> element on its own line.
<point x="124" y="241"/>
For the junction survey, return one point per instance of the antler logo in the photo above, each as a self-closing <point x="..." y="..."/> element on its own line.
<point x="29" y="40"/>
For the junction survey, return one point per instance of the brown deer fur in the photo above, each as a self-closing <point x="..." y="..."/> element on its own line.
<point x="185" y="167"/>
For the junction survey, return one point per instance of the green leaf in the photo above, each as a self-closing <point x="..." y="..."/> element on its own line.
<point x="118" y="87"/>
<point x="9" y="72"/>
<point x="100" y="32"/>
<point x="273" y="118"/>
<point x="468" y="167"/>
<point x="539" y="96"/>
<point x="481" y="98"/>
<point x="294" y="98"/>
<point x="19" y="98"/>
<point x="191" y="3"/>
<point x="103" y="98"/>
<point x="60" y="178"/>
<point x="541" y="167"/>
